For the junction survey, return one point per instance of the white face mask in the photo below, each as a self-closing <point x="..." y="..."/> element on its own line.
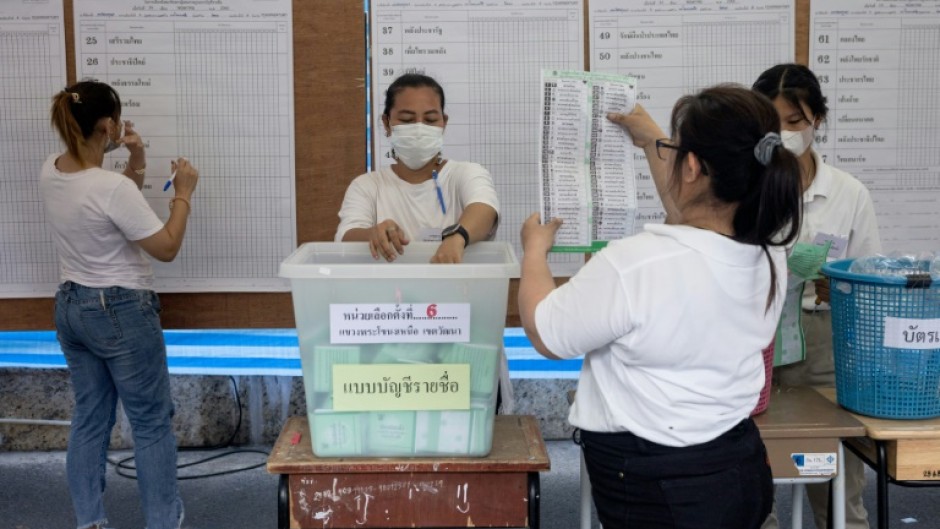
<point x="798" y="141"/>
<point x="113" y="145"/>
<point x="416" y="143"/>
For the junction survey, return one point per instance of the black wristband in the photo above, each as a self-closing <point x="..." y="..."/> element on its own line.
<point x="456" y="229"/>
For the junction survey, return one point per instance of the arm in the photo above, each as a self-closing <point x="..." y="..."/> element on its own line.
<point x="644" y="132"/>
<point x="478" y="219"/>
<point x="864" y="240"/>
<point x="477" y="195"/>
<point x="358" y="221"/>
<point x="166" y="243"/>
<point x="536" y="282"/>
<point x="137" y="159"/>
<point x="385" y="238"/>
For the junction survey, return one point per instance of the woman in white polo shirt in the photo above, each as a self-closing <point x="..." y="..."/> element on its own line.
<point x="672" y="320"/>
<point x="836" y="208"/>
<point x="422" y="196"/>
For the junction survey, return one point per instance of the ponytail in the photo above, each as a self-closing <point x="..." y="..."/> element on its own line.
<point x="779" y="205"/>
<point x="64" y="121"/>
<point x="76" y="111"/>
<point x="735" y="132"/>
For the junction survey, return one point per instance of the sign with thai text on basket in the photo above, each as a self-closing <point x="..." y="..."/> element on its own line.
<point x="910" y="333"/>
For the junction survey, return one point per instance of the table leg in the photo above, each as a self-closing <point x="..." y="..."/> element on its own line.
<point x="837" y="489"/>
<point x="585" y="494"/>
<point x="796" y="507"/>
<point x="882" y="484"/>
<point x="283" y="503"/>
<point x="535" y="498"/>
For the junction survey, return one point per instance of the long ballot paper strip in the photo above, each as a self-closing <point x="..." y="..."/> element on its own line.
<point x="586" y="175"/>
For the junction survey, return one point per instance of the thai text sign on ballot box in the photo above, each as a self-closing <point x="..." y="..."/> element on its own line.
<point x="381" y="323"/>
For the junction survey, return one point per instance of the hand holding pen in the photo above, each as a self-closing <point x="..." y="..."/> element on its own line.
<point x="174" y="167"/>
<point x="183" y="178"/>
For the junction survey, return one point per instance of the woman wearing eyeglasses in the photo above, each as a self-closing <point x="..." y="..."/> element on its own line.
<point x="672" y="321"/>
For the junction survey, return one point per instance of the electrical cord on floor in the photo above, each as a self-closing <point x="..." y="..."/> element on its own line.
<point x="122" y="467"/>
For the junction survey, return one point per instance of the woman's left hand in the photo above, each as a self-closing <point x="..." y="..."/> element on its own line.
<point x="537" y="237"/>
<point x="822" y="290"/>
<point x="450" y="250"/>
<point x="131" y="139"/>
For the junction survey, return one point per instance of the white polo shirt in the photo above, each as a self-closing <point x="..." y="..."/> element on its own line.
<point x="381" y="195"/>
<point x="836" y="205"/>
<point x="672" y="322"/>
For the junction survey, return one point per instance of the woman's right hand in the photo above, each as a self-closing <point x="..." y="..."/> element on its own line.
<point x="639" y="125"/>
<point x="388" y="240"/>
<point x="184" y="183"/>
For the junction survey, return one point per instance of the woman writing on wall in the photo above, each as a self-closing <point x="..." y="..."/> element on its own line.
<point x="421" y="196"/>
<point x="106" y="315"/>
<point x="838" y="209"/>
<point x="672" y="321"/>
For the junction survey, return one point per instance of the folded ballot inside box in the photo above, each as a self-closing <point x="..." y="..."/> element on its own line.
<point x="400" y="359"/>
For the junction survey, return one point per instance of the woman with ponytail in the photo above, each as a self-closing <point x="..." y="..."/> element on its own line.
<point x="837" y="208"/>
<point x="672" y="321"/>
<point x="106" y="315"/>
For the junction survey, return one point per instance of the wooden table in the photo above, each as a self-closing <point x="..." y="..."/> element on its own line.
<point x="904" y="452"/>
<point x="501" y="489"/>
<point x="801" y="422"/>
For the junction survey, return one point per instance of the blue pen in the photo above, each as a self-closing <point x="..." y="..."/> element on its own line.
<point x="169" y="181"/>
<point x="440" y="194"/>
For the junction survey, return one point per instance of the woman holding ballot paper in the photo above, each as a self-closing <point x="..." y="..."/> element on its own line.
<point x="422" y="197"/>
<point x="106" y="313"/>
<point x="672" y="321"/>
<point x="837" y="211"/>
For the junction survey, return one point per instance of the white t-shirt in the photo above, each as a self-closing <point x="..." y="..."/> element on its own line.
<point x="837" y="206"/>
<point x="95" y="217"/>
<point x="672" y="322"/>
<point x="381" y="195"/>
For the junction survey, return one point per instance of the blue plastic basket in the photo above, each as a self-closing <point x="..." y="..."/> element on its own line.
<point x="872" y="379"/>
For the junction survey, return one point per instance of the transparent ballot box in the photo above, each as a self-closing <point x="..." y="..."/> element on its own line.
<point x="402" y="358"/>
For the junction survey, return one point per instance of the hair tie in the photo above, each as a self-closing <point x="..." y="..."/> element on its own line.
<point x="764" y="149"/>
<point x="75" y="96"/>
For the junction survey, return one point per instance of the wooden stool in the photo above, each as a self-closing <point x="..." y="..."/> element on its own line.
<point x="501" y="489"/>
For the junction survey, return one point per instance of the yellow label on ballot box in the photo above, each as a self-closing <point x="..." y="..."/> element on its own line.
<point x="388" y="387"/>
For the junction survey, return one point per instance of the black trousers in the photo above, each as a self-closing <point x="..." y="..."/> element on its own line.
<point x="722" y="484"/>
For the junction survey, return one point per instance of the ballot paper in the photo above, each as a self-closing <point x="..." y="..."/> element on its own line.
<point x="586" y="175"/>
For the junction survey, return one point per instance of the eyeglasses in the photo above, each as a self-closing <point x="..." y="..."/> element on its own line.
<point x="665" y="143"/>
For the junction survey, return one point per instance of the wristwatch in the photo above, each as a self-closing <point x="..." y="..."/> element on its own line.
<point x="454" y="230"/>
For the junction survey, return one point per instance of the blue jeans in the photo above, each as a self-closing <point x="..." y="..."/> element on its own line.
<point x="113" y="343"/>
